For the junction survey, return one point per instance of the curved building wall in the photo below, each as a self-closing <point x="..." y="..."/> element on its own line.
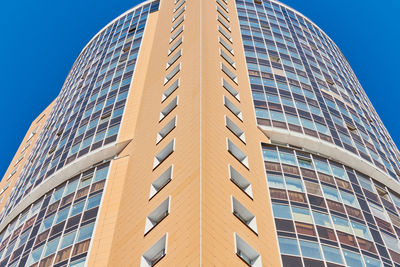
<point x="50" y="223"/>
<point x="88" y="111"/>
<point x="308" y="100"/>
<point x="302" y="83"/>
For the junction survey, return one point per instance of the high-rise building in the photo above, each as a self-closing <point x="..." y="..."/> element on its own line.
<point x="205" y="133"/>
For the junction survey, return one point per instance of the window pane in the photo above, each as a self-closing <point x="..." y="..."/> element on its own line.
<point x="281" y="211"/>
<point x="310" y="249"/>
<point x="332" y="254"/>
<point x="85" y="232"/>
<point x="288" y="246"/>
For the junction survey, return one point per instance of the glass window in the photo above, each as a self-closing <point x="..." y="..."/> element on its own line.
<point x="62" y="215"/>
<point x="332" y="254"/>
<point x="93" y="201"/>
<point x="287" y="158"/>
<point x="352" y="259"/>
<point x="57" y="195"/>
<point x="349" y="199"/>
<point x="310" y="249"/>
<point x="77" y="208"/>
<point x="85" y="232"/>
<point x="331" y="193"/>
<point x="270" y="155"/>
<point x="47" y="223"/>
<point x="305" y="163"/>
<point x="301" y="215"/>
<point x="275" y="181"/>
<point x="370" y="262"/>
<point x="365" y="183"/>
<point x="294" y="184"/>
<point x="360" y="230"/>
<point x="78" y="263"/>
<point x="101" y="174"/>
<point x="281" y="211"/>
<point x="322" y="166"/>
<point x="322" y="219"/>
<point x="35" y="255"/>
<point x="67" y="240"/>
<point x="339" y="172"/>
<point x="51" y="247"/>
<point x="288" y="246"/>
<point x="71" y="187"/>
<point x="341" y="224"/>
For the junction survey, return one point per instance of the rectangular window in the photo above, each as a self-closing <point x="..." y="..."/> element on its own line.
<point x="246" y="252"/>
<point x="175" y="45"/>
<point x="244" y="215"/>
<point x="163" y="154"/>
<point x="240" y="181"/>
<point x="173" y="104"/>
<point x="157" y="215"/>
<point x="227" y="58"/>
<point x="177" y="23"/>
<point x="170" y="90"/>
<point x="172" y="73"/>
<point x="230" y="89"/>
<point x="160" y="182"/>
<point x="174" y="58"/>
<point x="223" y="22"/>
<point x="229" y="105"/>
<point x="178" y="14"/>
<point x="229" y="73"/>
<point x="237" y="153"/>
<point x="176" y="34"/>
<point x="155" y="253"/>
<point x="226" y="45"/>
<point x="166" y="130"/>
<point x="224" y="33"/>
<point x="235" y="129"/>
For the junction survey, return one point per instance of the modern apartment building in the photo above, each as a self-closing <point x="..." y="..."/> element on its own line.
<point x="205" y="133"/>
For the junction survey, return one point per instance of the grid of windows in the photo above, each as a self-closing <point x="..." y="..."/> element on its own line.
<point x="56" y="229"/>
<point x="328" y="213"/>
<point x="301" y="82"/>
<point x="88" y="111"/>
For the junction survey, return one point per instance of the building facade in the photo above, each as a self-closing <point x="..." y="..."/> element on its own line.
<point x="205" y="133"/>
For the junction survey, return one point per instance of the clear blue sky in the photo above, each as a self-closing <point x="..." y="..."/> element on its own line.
<point x="41" y="39"/>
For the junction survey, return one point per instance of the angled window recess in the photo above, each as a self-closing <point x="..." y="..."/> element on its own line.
<point x="168" y="108"/>
<point x="227" y="58"/>
<point x="230" y="89"/>
<point x="170" y="90"/>
<point x="246" y="252"/>
<point x="224" y="33"/>
<point x="160" y="182"/>
<point x="244" y="215"/>
<point x="179" y="5"/>
<point x="233" y="108"/>
<point x="174" y="58"/>
<point x="235" y="129"/>
<point x="177" y="23"/>
<point x="223" y="6"/>
<point x="155" y="253"/>
<point x="220" y="11"/>
<point x="178" y="14"/>
<point x="226" y="45"/>
<point x="175" y="45"/>
<point x="157" y="215"/>
<point x="166" y="130"/>
<point x="229" y="73"/>
<point x="223" y="22"/>
<point x="176" y="1"/>
<point x="172" y="73"/>
<point x="237" y="153"/>
<point x="176" y="34"/>
<point x="164" y="153"/>
<point x="240" y="181"/>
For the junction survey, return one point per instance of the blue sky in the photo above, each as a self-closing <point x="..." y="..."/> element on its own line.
<point x="41" y="39"/>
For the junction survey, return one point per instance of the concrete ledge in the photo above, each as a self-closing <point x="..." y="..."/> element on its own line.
<point x="65" y="173"/>
<point x="331" y="151"/>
